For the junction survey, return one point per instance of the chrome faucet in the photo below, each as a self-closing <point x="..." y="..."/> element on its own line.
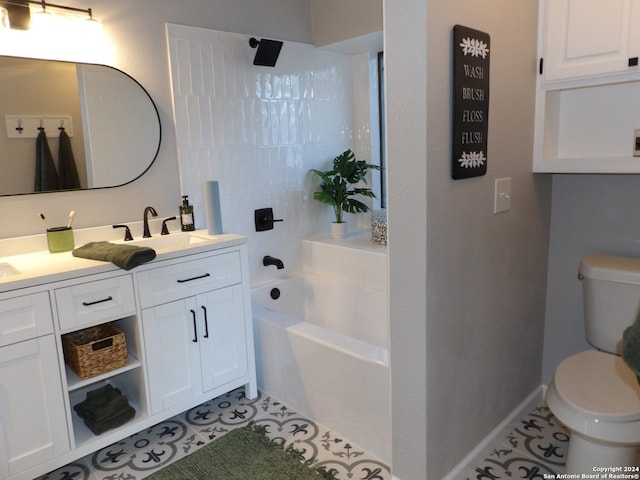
<point x="145" y="230"/>
<point x="269" y="260"/>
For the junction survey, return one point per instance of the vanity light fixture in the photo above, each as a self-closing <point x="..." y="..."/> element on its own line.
<point x="20" y="17"/>
<point x="268" y="51"/>
<point x="46" y="5"/>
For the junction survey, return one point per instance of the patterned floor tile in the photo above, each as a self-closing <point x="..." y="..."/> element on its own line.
<point x="147" y="451"/>
<point x="535" y="447"/>
<point x="79" y="470"/>
<point x="541" y="436"/>
<point x="512" y="464"/>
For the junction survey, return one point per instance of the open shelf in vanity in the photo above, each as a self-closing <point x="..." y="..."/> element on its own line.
<point x="128" y="379"/>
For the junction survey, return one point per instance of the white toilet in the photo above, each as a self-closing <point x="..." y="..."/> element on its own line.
<point x="594" y="393"/>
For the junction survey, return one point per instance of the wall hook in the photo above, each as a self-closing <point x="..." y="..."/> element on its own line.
<point x="19" y="128"/>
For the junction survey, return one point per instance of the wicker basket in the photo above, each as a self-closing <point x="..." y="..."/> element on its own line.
<point x="95" y="350"/>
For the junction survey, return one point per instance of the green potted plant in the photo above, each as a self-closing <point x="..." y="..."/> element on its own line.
<point x="337" y="188"/>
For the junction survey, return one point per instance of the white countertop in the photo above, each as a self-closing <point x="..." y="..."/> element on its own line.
<point x="41" y="267"/>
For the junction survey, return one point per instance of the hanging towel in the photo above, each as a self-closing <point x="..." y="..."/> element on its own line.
<point x="123" y="256"/>
<point x="46" y="175"/>
<point x="631" y="347"/>
<point x="67" y="171"/>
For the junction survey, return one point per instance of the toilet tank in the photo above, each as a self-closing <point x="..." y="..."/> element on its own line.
<point x="611" y="295"/>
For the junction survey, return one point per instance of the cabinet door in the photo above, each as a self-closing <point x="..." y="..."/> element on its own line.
<point x="25" y="317"/>
<point x="33" y="425"/>
<point x="223" y="350"/>
<point x="588" y="37"/>
<point x="173" y="353"/>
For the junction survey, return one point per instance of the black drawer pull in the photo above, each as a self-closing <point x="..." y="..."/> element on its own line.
<point x="206" y="322"/>
<point x="195" y="327"/>
<point x="88" y="304"/>
<point x="194" y="278"/>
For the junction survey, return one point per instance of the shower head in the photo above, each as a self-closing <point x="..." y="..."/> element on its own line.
<point x="268" y="51"/>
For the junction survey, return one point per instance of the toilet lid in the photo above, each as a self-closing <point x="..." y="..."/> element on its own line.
<point x="599" y="384"/>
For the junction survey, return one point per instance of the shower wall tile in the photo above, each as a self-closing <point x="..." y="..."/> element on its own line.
<point x="258" y="131"/>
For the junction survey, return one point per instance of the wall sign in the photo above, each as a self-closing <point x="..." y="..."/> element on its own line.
<point x="470" y="102"/>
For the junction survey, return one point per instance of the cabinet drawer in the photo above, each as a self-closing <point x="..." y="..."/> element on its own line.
<point x="180" y="280"/>
<point x="94" y="302"/>
<point x="25" y="317"/>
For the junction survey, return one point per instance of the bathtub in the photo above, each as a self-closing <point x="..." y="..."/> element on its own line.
<point x="322" y="350"/>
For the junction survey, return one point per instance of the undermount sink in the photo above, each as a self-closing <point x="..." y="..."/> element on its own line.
<point x="173" y="241"/>
<point x="6" y="270"/>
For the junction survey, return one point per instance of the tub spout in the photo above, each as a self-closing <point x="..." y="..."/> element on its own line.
<point x="269" y="260"/>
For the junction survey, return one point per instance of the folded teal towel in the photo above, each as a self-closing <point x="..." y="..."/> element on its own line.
<point x="123" y="256"/>
<point x="631" y="347"/>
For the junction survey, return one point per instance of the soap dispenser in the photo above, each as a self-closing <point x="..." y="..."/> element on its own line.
<point x="186" y="215"/>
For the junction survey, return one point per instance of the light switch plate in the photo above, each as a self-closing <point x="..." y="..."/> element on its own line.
<point x="502" y="195"/>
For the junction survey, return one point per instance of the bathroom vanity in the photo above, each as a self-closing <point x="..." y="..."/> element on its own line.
<point x="186" y="317"/>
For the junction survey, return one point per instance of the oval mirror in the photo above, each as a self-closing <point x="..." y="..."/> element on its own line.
<point x="111" y="124"/>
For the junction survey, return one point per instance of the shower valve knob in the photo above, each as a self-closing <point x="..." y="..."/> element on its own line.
<point x="264" y="220"/>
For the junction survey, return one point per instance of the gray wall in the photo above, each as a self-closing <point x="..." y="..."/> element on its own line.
<point x="485" y="273"/>
<point x="591" y="214"/>
<point x="336" y="20"/>
<point x="406" y="123"/>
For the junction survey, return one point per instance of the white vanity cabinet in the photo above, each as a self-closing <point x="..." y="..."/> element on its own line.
<point x="186" y="318"/>
<point x="32" y="420"/>
<point x="197" y="330"/>
<point x="586" y="38"/>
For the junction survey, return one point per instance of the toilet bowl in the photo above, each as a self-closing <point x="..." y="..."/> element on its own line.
<point x="594" y="393"/>
<point x="597" y="397"/>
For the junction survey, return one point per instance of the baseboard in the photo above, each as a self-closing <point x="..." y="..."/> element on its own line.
<point x="496" y="435"/>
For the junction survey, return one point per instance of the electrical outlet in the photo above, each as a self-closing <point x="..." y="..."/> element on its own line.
<point x="502" y="195"/>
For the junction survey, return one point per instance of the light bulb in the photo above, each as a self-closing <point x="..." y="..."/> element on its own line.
<point x="42" y="21"/>
<point x="4" y="19"/>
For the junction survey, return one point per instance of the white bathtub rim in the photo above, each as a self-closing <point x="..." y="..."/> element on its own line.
<point x="334" y="340"/>
<point x="304" y="273"/>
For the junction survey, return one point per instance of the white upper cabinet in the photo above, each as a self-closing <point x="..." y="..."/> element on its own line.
<point x="590" y="80"/>
<point x="586" y="38"/>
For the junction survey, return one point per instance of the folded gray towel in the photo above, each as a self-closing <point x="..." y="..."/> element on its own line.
<point x="117" y="421"/>
<point x="102" y="404"/>
<point x="123" y="256"/>
<point x="104" y="409"/>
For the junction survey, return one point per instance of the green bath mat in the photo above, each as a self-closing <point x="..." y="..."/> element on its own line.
<point x="243" y="454"/>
